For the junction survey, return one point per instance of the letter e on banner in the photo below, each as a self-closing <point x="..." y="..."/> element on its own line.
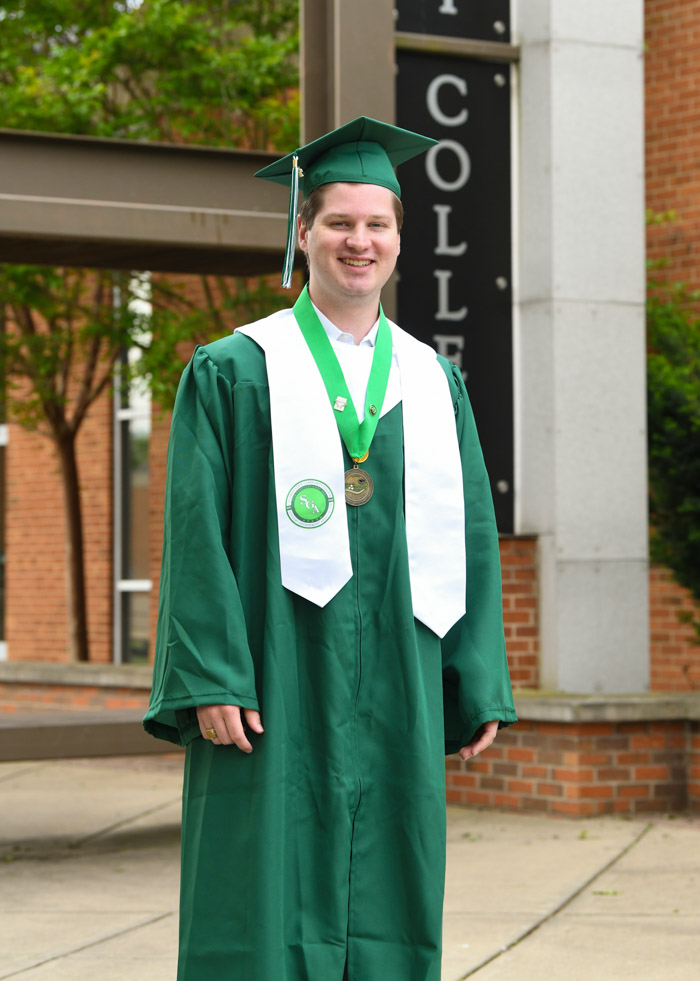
<point x="450" y="346"/>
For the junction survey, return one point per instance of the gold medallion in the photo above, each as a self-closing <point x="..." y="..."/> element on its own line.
<point x="358" y="486"/>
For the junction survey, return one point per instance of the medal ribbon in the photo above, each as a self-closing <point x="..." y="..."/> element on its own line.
<point x="356" y="436"/>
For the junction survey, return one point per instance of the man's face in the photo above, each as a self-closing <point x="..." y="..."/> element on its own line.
<point x="353" y="243"/>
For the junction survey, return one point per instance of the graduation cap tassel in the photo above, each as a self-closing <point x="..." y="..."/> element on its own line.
<point x="291" y="224"/>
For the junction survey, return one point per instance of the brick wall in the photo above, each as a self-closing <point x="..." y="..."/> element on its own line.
<point x="672" y="84"/>
<point x="157" y="462"/>
<point x="520" y="609"/>
<point x="672" y="133"/>
<point x="24" y="697"/>
<point x="35" y="620"/>
<point x="674" y="647"/>
<point x="583" y="769"/>
<point x="694" y="768"/>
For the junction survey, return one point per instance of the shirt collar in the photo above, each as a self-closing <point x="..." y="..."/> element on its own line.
<point x="343" y="337"/>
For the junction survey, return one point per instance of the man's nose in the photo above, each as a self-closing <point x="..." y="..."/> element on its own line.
<point x="358" y="238"/>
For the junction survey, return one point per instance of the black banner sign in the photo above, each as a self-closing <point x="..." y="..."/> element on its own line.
<point x="478" y="20"/>
<point x="454" y="290"/>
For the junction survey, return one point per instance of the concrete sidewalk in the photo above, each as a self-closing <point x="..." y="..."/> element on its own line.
<point x="89" y="864"/>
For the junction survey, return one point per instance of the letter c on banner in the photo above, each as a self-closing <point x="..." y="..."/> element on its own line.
<point x="432" y="98"/>
<point x="465" y="166"/>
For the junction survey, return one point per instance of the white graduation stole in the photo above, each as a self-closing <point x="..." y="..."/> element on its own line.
<point x="310" y="474"/>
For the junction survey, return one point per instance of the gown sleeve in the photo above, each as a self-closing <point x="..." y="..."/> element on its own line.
<point x="476" y="682"/>
<point x="202" y="654"/>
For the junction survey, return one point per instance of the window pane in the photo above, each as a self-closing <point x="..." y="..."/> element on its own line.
<point x="132" y="405"/>
<point x="137" y="564"/>
<point x="135" y="620"/>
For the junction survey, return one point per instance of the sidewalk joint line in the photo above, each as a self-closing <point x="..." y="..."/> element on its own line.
<point x="20" y="773"/>
<point x="561" y="906"/>
<point x="79" y="842"/>
<point x="69" y="951"/>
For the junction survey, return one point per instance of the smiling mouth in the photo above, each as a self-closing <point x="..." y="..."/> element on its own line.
<point x="357" y="262"/>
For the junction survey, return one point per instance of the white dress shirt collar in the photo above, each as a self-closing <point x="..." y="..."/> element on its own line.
<point x="335" y="334"/>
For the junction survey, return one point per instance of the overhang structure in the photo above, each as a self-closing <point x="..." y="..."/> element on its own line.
<point x="105" y="203"/>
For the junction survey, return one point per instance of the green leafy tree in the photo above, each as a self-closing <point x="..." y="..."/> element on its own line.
<point x="673" y="372"/>
<point x="217" y="72"/>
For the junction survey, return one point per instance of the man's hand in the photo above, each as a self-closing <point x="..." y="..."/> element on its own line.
<point x="227" y="721"/>
<point x="483" y="738"/>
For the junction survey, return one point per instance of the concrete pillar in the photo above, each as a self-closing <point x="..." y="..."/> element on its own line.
<point x="580" y="346"/>
<point x="347" y="63"/>
<point x="347" y="70"/>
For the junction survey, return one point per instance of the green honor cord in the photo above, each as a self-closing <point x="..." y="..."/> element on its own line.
<point x="356" y="436"/>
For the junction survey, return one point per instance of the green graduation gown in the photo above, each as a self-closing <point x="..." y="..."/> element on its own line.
<point x="326" y="845"/>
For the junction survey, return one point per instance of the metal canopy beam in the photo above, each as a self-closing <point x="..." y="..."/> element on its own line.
<point x="434" y="44"/>
<point x="82" y="201"/>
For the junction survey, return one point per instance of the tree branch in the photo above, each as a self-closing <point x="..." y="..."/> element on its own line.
<point x="171" y="294"/>
<point x="213" y="309"/>
<point x="97" y="390"/>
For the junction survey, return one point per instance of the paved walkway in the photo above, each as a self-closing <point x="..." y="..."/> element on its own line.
<point x="89" y="880"/>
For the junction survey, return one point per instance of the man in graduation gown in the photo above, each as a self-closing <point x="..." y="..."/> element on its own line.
<point x="327" y="513"/>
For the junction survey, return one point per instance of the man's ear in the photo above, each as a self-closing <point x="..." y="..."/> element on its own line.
<point x="302" y="233"/>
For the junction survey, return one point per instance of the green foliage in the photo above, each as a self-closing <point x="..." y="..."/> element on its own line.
<point x="674" y="430"/>
<point x="217" y="72"/>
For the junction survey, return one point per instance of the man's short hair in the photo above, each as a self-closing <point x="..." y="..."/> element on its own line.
<point x="314" y="202"/>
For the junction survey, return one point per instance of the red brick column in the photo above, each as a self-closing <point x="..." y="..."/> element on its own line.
<point x="520" y="610"/>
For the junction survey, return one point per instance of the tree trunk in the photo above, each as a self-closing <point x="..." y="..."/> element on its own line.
<point x="75" y="559"/>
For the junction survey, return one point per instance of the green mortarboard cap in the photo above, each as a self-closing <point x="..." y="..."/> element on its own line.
<point x="364" y="151"/>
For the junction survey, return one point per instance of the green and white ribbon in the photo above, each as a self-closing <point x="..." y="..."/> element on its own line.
<point x="356" y="436"/>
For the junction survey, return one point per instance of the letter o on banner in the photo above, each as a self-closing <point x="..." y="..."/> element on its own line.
<point x="465" y="166"/>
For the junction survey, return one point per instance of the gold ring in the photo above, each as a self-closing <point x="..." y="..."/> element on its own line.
<point x="210" y="733"/>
